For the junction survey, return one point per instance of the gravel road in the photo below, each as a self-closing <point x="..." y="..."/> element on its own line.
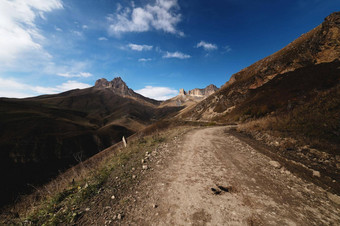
<point x="212" y="178"/>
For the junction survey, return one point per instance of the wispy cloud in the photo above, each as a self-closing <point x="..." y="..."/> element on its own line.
<point x="79" y="75"/>
<point x="176" y="54"/>
<point x="69" y="85"/>
<point x="19" y="34"/>
<point x="13" y="88"/>
<point x="158" y="93"/>
<point x="58" y="29"/>
<point x="77" y="33"/>
<point x="206" y="46"/>
<point x="144" y="59"/>
<point x="227" y="49"/>
<point x="162" y="15"/>
<point x="102" y="39"/>
<point x="139" y="47"/>
<point x="68" y="68"/>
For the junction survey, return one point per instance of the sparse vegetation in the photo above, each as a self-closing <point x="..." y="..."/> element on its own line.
<point x="63" y="200"/>
<point x="316" y="123"/>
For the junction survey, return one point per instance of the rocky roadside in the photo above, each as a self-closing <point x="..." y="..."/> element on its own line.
<point x="120" y="196"/>
<point x="320" y="167"/>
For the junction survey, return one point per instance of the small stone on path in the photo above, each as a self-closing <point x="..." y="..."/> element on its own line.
<point x="276" y="164"/>
<point x="316" y="173"/>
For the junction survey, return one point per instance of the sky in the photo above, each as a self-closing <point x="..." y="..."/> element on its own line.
<point x="155" y="46"/>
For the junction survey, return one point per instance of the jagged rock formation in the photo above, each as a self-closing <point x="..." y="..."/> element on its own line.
<point x="182" y="92"/>
<point x="191" y="97"/>
<point x="119" y="87"/>
<point x="117" y="84"/>
<point x="207" y="91"/>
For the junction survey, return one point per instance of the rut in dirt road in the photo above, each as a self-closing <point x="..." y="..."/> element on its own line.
<point x="215" y="179"/>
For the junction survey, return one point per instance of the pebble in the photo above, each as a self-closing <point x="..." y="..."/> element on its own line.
<point x="144" y="167"/>
<point x="134" y="176"/>
<point x="316" y="173"/>
<point x="276" y="164"/>
<point x="113" y="197"/>
<point x="87" y="209"/>
<point x="119" y="216"/>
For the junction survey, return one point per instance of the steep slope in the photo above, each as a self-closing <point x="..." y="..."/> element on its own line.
<point x="42" y="135"/>
<point x="320" y="45"/>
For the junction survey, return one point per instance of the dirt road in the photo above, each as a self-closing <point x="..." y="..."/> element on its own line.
<point x="185" y="190"/>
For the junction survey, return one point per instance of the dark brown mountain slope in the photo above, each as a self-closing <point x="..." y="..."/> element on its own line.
<point x="321" y="45"/>
<point x="42" y="135"/>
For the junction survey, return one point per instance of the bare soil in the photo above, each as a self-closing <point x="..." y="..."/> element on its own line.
<point x="209" y="177"/>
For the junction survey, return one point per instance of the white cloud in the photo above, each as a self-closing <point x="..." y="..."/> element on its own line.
<point x="58" y="29"/>
<point x="158" y="93"/>
<point x="227" y="49"/>
<point x="102" y="39"/>
<point x="85" y="27"/>
<point x="206" y="46"/>
<point x="78" y="75"/>
<point x="139" y="47"/>
<point x="19" y="36"/>
<point x="176" y="54"/>
<point x="144" y="59"/>
<point x="162" y="15"/>
<point x="68" y="68"/>
<point x="77" y="33"/>
<point x="69" y="85"/>
<point x="13" y="88"/>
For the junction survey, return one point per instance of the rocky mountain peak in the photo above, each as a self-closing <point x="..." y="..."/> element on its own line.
<point x="101" y="83"/>
<point x="117" y="85"/>
<point x="210" y="89"/>
<point x="118" y="82"/>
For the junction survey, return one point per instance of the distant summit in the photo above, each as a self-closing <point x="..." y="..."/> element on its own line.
<point x="117" y="85"/>
<point x="210" y="89"/>
<point x="191" y="97"/>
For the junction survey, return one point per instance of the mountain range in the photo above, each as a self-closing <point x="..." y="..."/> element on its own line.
<point x="295" y="89"/>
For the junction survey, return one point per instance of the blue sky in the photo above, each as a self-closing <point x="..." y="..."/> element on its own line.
<point x="156" y="46"/>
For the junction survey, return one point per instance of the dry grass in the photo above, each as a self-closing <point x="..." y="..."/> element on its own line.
<point x="60" y="200"/>
<point x="67" y="183"/>
<point x="316" y="123"/>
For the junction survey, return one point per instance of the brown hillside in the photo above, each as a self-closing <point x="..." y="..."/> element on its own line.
<point x="320" y="45"/>
<point x="43" y="135"/>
